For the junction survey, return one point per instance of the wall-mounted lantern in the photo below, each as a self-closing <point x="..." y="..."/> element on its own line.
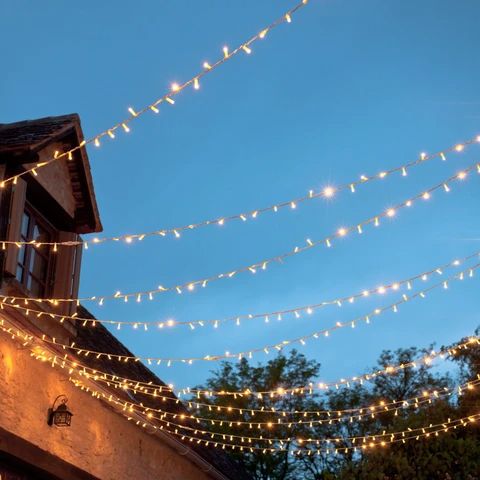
<point x="61" y="415"/>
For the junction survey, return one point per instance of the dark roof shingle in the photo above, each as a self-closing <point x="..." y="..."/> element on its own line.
<point x="34" y="134"/>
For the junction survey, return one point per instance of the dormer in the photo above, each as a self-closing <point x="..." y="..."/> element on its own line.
<point x="56" y="204"/>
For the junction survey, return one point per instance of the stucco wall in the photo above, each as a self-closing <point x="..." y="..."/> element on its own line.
<point x="55" y="178"/>
<point x="100" y="441"/>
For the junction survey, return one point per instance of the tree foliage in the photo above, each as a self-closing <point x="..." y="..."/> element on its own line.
<point x="449" y="456"/>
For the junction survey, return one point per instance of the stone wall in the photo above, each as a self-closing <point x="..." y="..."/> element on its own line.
<point x="55" y="178"/>
<point x="100" y="441"/>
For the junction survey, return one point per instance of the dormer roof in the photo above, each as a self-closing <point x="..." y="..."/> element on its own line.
<point x="21" y="144"/>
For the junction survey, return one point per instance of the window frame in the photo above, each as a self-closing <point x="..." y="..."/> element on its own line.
<point x="36" y="219"/>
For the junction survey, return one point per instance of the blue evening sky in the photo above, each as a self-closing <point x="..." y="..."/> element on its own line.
<point x="348" y="88"/>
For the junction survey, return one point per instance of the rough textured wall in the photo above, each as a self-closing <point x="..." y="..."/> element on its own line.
<point x="100" y="441"/>
<point x="55" y="178"/>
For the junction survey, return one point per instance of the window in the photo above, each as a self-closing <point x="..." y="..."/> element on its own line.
<point x="33" y="263"/>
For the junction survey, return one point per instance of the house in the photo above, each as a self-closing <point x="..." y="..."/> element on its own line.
<point x="57" y="204"/>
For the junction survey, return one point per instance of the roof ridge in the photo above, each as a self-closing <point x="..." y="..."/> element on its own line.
<point x="67" y="116"/>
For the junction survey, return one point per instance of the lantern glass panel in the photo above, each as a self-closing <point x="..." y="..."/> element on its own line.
<point x="62" y="419"/>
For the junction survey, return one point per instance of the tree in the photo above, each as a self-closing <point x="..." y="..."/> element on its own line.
<point x="450" y="456"/>
<point x="283" y="372"/>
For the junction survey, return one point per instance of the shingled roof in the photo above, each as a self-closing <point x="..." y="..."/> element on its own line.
<point x="33" y="135"/>
<point x="100" y="339"/>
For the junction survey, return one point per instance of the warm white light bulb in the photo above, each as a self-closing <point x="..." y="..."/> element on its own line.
<point x="328" y="192"/>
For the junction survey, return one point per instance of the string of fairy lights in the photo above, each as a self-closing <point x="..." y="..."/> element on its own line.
<point x="148" y="412"/>
<point x="319" y="417"/>
<point x="391" y="437"/>
<point x="155" y="390"/>
<point x="266" y="349"/>
<point x="401" y="436"/>
<point x="277" y="314"/>
<point x="425" y="195"/>
<point x="370" y="440"/>
<point x="169" y="98"/>
<point x="331" y="415"/>
<point x="246" y="441"/>
<point x="278" y="444"/>
<point x="326" y="193"/>
<point x="191" y="427"/>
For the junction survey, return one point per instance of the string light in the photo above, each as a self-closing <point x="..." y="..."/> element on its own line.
<point x="359" y="439"/>
<point x="402" y="436"/>
<point x="156" y="390"/>
<point x="253" y="268"/>
<point x="264" y="349"/>
<point x="363" y="442"/>
<point x="327" y="192"/>
<point x="227" y="55"/>
<point x="328" y="416"/>
<point x="370" y="439"/>
<point x="285" y="314"/>
<point x="370" y="412"/>
<point x="148" y="390"/>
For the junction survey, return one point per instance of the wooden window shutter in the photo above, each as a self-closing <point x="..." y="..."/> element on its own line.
<point x="77" y="254"/>
<point x="77" y="268"/>
<point x="66" y="271"/>
<point x="3" y="168"/>
<point x="17" y="205"/>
